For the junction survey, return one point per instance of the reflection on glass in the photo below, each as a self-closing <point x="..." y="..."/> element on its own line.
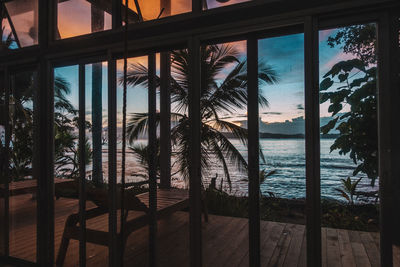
<point x="210" y="4"/>
<point x="78" y="17"/>
<point x="349" y="149"/>
<point x="23" y="19"/>
<point x="96" y="110"/>
<point x="8" y="39"/>
<point x="224" y="155"/>
<point x="136" y="155"/>
<point x="153" y="9"/>
<point x="66" y="159"/>
<point x="173" y="218"/>
<point x="282" y="144"/>
<point x="22" y="184"/>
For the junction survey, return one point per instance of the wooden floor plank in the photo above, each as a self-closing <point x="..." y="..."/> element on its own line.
<point x="371" y="249"/>
<point x="225" y="240"/>
<point x="360" y="255"/>
<point x="293" y="254"/>
<point x="396" y="256"/>
<point x="303" y="252"/>
<point x="346" y="251"/>
<point x="324" y="253"/>
<point x="280" y="251"/>
<point x="272" y="235"/>
<point x="332" y="248"/>
<point x="235" y="251"/>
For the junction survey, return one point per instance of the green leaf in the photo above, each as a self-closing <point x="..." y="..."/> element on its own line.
<point x="323" y="97"/>
<point x="335" y="108"/>
<point x="343" y="77"/>
<point x="329" y="126"/>
<point x="358" y="82"/>
<point x="325" y="84"/>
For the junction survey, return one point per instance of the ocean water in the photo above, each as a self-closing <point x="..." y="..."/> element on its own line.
<point x="287" y="158"/>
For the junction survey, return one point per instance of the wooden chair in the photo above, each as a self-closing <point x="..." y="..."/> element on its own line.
<point x="168" y="202"/>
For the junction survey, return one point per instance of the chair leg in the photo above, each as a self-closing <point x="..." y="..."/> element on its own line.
<point x="62" y="252"/>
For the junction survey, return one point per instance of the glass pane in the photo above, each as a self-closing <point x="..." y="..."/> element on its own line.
<point x="155" y="9"/>
<point x="67" y="162"/>
<point x="209" y="4"/>
<point x="78" y="17"/>
<point x="224" y="154"/>
<point x="23" y="185"/>
<point x="24" y="18"/>
<point x="174" y="181"/>
<point x="282" y="165"/>
<point x="96" y="94"/>
<point x="66" y="154"/>
<point x="136" y="157"/>
<point x="349" y="148"/>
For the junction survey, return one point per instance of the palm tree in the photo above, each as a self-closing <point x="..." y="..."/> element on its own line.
<point x="219" y="98"/>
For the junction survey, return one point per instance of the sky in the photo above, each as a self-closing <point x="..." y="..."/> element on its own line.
<point x="284" y="54"/>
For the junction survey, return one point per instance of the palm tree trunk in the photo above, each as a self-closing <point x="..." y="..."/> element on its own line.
<point x="97" y="108"/>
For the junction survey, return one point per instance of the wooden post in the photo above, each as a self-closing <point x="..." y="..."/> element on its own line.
<point x="197" y="6"/>
<point x="97" y="24"/>
<point x="165" y="120"/>
<point x="388" y="96"/>
<point x="43" y="158"/>
<point x="313" y="191"/>
<point x="116" y="14"/>
<point x="112" y="163"/>
<point x="152" y="144"/>
<point x="253" y="152"/>
<point x="43" y="163"/>
<point x="82" y="167"/>
<point x="195" y="154"/>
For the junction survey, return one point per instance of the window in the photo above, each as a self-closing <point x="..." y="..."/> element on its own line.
<point x="20" y="19"/>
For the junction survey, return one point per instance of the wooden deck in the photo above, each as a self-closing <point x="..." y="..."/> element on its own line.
<point x="225" y="241"/>
<point x="30" y="186"/>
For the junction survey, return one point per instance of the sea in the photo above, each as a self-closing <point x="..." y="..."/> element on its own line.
<point x="286" y="157"/>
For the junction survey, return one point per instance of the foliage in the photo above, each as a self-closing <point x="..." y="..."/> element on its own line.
<point x="21" y="118"/>
<point x="359" y="40"/>
<point x="363" y="217"/>
<point x="217" y="96"/>
<point x="350" y="87"/>
<point x="349" y="189"/>
<point x="66" y="145"/>
<point x="141" y="153"/>
<point x="263" y="175"/>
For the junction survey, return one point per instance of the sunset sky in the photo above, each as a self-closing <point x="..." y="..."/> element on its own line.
<point x="284" y="54"/>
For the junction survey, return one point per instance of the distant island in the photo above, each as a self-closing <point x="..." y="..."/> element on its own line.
<point x="284" y="136"/>
<point x="294" y="128"/>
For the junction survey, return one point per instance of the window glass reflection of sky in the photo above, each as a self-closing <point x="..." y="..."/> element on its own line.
<point x="285" y="54"/>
